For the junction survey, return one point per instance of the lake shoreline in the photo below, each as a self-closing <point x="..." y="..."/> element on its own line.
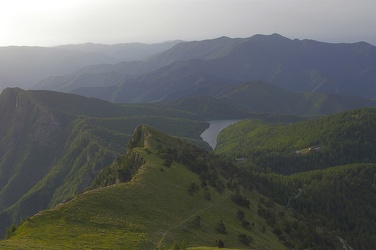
<point x="216" y="126"/>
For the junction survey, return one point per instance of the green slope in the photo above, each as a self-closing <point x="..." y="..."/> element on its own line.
<point x="157" y="208"/>
<point x="339" y="198"/>
<point x="328" y="141"/>
<point x="52" y="145"/>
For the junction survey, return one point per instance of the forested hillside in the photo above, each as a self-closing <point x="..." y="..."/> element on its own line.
<point x="341" y="199"/>
<point x="338" y="139"/>
<point x="323" y="170"/>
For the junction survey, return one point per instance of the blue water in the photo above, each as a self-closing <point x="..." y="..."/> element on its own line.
<point x="210" y="134"/>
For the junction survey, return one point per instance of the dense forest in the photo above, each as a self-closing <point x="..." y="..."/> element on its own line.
<point x="341" y="199"/>
<point x="323" y="169"/>
<point x="339" y="139"/>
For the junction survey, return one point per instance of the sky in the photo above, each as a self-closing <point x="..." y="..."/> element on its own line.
<point x="57" y="22"/>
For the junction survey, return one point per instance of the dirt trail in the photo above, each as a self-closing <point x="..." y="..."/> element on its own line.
<point x="159" y="244"/>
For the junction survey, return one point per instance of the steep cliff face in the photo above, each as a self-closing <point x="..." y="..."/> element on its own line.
<point x="30" y="136"/>
<point x="46" y="156"/>
<point x="123" y="168"/>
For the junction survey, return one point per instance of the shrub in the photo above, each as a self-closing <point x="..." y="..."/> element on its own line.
<point x="220" y="187"/>
<point x="277" y="231"/>
<point x="220" y="243"/>
<point x="240" y="215"/>
<point x="240" y="200"/>
<point x="207" y="195"/>
<point x="246" y="224"/>
<point x="245" y="239"/>
<point x="193" y="188"/>
<point x="220" y="227"/>
<point x="196" y="221"/>
<point x="10" y="231"/>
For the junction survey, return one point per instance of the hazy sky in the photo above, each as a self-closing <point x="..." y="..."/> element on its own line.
<point x="55" y="22"/>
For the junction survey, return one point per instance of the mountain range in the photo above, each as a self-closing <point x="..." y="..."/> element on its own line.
<point x="207" y="67"/>
<point x="115" y="158"/>
<point x="23" y="66"/>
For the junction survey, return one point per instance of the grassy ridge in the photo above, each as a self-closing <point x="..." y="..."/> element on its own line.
<point x="154" y="210"/>
<point x="53" y="145"/>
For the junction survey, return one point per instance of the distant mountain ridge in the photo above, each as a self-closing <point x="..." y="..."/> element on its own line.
<point x="122" y="51"/>
<point x="296" y="65"/>
<point x="263" y="97"/>
<point x="23" y="66"/>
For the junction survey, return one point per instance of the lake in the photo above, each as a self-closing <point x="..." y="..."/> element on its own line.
<point x="210" y="134"/>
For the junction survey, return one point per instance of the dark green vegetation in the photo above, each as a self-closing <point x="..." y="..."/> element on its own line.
<point x="339" y="139"/>
<point x="150" y="206"/>
<point x="323" y="169"/>
<point x="341" y="199"/>
<point x="53" y="145"/>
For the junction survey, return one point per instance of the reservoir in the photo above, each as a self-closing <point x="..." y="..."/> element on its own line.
<point x="211" y="133"/>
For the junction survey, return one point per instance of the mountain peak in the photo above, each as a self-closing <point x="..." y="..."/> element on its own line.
<point x="272" y="37"/>
<point x="141" y="133"/>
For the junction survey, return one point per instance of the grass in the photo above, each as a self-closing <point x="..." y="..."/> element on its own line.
<point x="151" y="211"/>
<point x="59" y="142"/>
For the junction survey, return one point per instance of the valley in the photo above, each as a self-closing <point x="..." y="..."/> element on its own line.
<point x="262" y="142"/>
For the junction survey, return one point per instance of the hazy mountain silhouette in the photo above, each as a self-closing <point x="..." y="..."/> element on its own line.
<point x="122" y="51"/>
<point x="298" y="65"/>
<point x="24" y="66"/>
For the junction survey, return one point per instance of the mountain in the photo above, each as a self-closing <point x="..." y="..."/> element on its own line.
<point x="159" y="196"/>
<point x="26" y="66"/>
<point x="263" y="97"/>
<point x="207" y="107"/>
<point x="164" y="192"/>
<point x="52" y="145"/>
<point x="102" y="75"/>
<point x="323" y="169"/>
<point x="122" y="51"/>
<point x="295" y="65"/>
<point x="339" y="139"/>
<point x="301" y="65"/>
<point x="255" y="98"/>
